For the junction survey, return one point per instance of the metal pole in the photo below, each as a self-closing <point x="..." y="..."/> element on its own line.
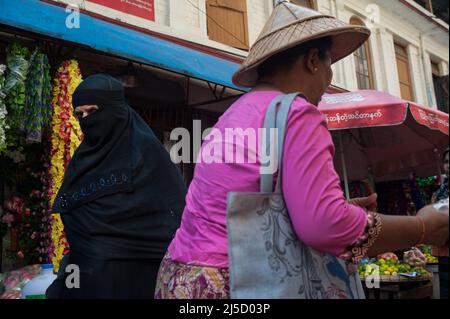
<point x="438" y="162"/>
<point x="371" y="179"/>
<point x="344" y="166"/>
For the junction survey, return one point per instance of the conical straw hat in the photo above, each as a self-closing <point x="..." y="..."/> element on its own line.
<point x="291" y="25"/>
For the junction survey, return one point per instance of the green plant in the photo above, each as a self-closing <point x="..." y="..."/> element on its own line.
<point x="17" y="63"/>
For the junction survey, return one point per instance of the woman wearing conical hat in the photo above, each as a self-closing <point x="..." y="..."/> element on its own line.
<point x="294" y="53"/>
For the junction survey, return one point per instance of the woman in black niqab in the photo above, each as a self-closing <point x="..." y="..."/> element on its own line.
<point x="121" y="199"/>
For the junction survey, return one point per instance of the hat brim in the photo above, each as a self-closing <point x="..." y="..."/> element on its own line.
<point x="345" y="40"/>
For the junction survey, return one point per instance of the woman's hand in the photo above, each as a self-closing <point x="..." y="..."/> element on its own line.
<point x="369" y="203"/>
<point x="436" y="225"/>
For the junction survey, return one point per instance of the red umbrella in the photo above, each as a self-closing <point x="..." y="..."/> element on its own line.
<point x="384" y="137"/>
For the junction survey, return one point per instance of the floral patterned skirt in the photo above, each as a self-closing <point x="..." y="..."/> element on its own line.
<point x="181" y="281"/>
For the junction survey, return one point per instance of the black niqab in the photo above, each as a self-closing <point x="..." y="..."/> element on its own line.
<point x="122" y="197"/>
<point x="103" y="163"/>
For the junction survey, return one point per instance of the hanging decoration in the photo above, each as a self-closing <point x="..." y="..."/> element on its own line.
<point x="65" y="138"/>
<point x="25" y="213"/>
<point x="426" y="182"/>
<point x="38" y="98"/>
<point x="3" y="111"/>
<point x="17" y="62"/>
<point x="33" y="230"/>
<point x="25" y="111"/>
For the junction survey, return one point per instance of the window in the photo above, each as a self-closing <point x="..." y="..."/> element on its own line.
<point x="427" y="4"/>
<point x="404" y="75"/>
<point x="227" y="22"/>
<point x="363" y="62"/>
<point x="304" y="3"/>
<point x="437" y="7"/>
<point x="440" y="88"/>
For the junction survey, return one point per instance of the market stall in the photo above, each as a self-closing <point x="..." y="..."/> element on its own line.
<point x="384" y="137"/>
<point x="393" y="147"/>
<point x="41" y="65"/>
<point x="39" y="133"/>
<point x="411" y="277"/>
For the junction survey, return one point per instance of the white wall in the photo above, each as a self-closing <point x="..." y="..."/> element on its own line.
<point x="162" y="12"/>
<point x="258" y="13"/>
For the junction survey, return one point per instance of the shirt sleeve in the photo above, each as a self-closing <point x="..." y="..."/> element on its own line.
<point x="321" y="216"/>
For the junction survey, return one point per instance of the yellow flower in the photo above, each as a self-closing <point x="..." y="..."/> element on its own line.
<point x="62" y="145"/>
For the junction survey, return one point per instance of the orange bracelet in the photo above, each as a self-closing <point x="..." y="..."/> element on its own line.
<point x="423" y="230"/>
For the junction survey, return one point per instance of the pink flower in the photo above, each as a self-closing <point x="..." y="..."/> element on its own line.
<point x="17" y="204"/>
<point x="9" y="205"/>
<point x="35" y="193"/>
<point x="34" y="235"/>
<point x="8" y="219"/>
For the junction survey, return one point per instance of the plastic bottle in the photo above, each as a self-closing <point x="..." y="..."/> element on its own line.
<point x="35" y="289"/>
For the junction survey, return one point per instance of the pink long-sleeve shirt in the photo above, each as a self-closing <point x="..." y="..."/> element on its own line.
<point x="321" y="216"/>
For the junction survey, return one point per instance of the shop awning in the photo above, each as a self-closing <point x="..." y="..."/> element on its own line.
<point x="369" y="108"/>
<point x="384" y="136"/>
<point x="50" y="20"/>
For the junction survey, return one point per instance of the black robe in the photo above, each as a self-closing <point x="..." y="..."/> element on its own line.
<point x="121" y="200"/>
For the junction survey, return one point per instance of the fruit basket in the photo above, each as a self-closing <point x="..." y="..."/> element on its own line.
<point x="431" y="260"/>
<point x="427" y="251"/>
<point x="407" y="279"/>
<point x="392" y="270"/>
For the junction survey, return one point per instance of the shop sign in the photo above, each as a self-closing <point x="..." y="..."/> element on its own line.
<point x="144" y="9"/>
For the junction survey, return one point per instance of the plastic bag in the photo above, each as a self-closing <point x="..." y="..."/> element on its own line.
<point x="17" y="72"/>
<point x="15" y="280"/>
<point x="415" y="258"/>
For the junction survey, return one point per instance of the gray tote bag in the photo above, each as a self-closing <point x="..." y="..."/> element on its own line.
<point x="266" y="258"/>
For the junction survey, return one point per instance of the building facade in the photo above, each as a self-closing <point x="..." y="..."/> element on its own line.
<point x="407" y="54"/>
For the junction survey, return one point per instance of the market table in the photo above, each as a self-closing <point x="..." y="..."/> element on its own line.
<point x="400" y="287"/>
<point x="434" y="269"/>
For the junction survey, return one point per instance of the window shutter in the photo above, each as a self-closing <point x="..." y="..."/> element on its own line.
<point x="404" y="74"/>
<point x="227" y="22"/>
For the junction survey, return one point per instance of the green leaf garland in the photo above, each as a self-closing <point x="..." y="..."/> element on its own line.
<point x="38" y="98"/>
<point x="17" y="62"/>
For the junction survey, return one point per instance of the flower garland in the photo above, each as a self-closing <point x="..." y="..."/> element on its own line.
<point x="65" y="138"/>
<point x="3" y="111"/>
<point x="38" y="97"/>
<point x="26" y="217"/>
<point x="33" y="230"/>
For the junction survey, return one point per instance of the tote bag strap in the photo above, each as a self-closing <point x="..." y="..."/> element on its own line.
<point x="275" y="118"/>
